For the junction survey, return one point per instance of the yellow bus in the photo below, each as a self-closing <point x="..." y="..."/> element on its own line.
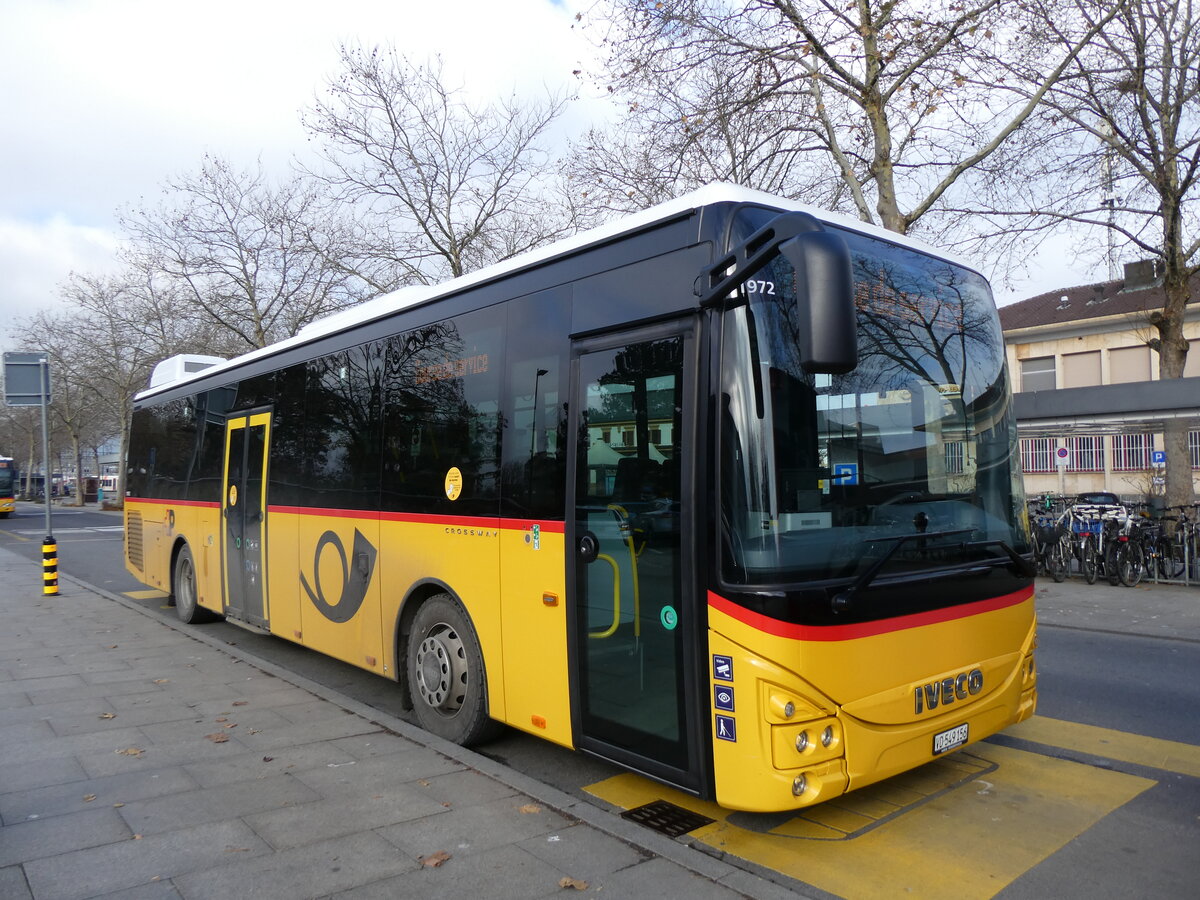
<point x="726" y="492"/>
<point x="8" y="487"/>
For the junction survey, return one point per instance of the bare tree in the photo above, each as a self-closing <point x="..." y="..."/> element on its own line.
<point x="244" y="253"/>
<point x="896" y="101"/>
<point x="441" y="186"/>
<point x="1132" y="165"/>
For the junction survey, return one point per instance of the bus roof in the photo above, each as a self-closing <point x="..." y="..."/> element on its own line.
<point x="411" y="296"/>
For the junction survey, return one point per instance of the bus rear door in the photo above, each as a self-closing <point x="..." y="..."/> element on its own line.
<point x="243" y="509"/>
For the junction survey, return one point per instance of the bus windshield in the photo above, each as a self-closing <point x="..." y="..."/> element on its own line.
<point x="7" y="476"/>
<point x="908" y="461"/>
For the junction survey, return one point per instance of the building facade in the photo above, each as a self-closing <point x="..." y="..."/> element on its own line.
<point x="1088" y="337"/>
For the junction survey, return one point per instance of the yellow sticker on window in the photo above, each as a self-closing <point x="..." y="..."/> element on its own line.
<point x="233" y="495"/>
<point x="453" y="483"/>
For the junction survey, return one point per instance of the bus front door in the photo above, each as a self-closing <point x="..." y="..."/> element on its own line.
<point x="243" y="535"/>
<point x="634" y="616"/>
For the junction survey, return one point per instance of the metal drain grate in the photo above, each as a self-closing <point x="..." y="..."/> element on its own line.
<point x="667" y="818"/>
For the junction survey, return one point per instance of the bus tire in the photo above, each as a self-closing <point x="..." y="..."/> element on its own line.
<point x="184" y="595"/>
<point x="446" y="674"/>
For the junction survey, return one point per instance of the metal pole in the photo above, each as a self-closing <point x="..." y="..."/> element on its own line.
<point x="45" y="378"/>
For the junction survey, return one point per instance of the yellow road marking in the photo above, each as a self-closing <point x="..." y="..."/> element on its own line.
<point x="977" y="837"/>
<point x="1170" y="756"/>
<point x="15" y="536"/>
<point x="147" y="595"/>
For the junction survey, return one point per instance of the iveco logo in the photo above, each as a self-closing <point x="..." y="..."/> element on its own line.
<point x="948" y="690"/>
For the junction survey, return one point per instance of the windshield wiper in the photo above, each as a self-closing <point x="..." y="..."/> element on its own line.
<point x="1020" y="564"/>
<point x="842" y="600"/>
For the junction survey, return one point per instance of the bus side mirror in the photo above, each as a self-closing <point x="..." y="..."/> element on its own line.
<point x="828" y="339"/>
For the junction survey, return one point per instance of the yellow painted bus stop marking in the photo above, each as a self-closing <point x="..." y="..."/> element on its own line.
<point x="1170" y="756"/>
<point x="147" y="595"/>
<point x="969" y="841"/>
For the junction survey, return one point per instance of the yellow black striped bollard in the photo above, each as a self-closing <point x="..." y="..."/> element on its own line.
<point x="49" y="567"/>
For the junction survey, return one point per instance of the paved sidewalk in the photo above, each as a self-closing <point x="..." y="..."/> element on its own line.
<point x="1154" y="610"/>
<point x="141" y="761"/>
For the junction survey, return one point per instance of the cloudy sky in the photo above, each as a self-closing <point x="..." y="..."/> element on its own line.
<point x="102" y="100"/>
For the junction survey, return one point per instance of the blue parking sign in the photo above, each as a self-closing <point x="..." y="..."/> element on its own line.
<point x="845" y="473"/>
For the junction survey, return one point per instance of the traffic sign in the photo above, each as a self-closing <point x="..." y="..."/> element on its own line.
<point x="1158" y="457"/>
<point x="1063" y="455"/>
<point x="26" y="379"/>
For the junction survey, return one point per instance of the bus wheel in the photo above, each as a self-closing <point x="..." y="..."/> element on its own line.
<point x="183" y="590"/>
<point x="446" y="674"/>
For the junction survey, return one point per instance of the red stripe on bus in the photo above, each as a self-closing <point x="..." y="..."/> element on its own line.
<point x="420" y="518"/>
<point x="204" y="504"/>
<point x="797" y="632"/>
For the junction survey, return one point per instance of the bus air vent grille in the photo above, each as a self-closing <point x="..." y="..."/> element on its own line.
<point x="133" y="540"/>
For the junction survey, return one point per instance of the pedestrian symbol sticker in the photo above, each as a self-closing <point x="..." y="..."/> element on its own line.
<point x="723" y="668"/>
<point x="723" y="697"/>
<point x="726" y="729"/>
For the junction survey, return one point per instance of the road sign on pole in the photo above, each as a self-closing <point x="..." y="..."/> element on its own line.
<point x="26" y="378"/>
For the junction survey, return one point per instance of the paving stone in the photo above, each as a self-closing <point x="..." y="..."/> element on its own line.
<point x="35" y="773"/>
<point x="39" y="838"/>
<point x="74" y="745"/>
<point x="474" y="829"/>
<point x="381" y="743"/>
<point x="161" y="889"/>
<point x="465" y="788"/>
<point x="197" y="807"/>
<point x="293" y="735"/>
<point x="13" y="885"/>
<point x="668" y="879"/>
<point x="250" y="766"/>
<point x="357" y="776"/>
<point x="338" y="816"/>
<point x="315" y="870"/>
<point x="117" y="867"/>
<point x="584" y="852"/>
<point x="499" y="874"/>
<point x="38" y="685"/>
<point x="125" y="788"/>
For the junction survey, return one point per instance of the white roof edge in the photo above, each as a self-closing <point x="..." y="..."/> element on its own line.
<point x="402" y="298"/>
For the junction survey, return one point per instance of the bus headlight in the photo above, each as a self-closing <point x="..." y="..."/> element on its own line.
<point x="802" y="742"/>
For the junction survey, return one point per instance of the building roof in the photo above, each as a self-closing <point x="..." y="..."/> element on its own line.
<point x="1087" y="301"/>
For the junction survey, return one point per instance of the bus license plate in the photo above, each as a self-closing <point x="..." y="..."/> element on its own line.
<point x="946" y="741"/>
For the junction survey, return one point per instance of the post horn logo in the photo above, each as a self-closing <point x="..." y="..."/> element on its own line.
<point x="355" y="579"/>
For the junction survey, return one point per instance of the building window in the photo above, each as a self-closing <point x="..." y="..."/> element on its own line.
<point x="1087" y="453"/>
<point x="1081" y="369"/>
<point x="1131" y="452"/>
<point x="1194" y="448"/>
<point x="955" y="457"/>
<point x="1128" y="365"/>
<point x="1037" y="374"/>
<point x="1037" y="455"/>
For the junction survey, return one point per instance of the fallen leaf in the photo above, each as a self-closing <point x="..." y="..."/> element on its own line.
<point x="88" y="798"/>
<point x="118" y="805"/>
<point x="219" y="738"/>
<point x="237" y="849"/>
<point x="137" y="837"/>
<point x="222" y="719"/>
<point x="575" y="883"/>
<point x="108" y="715"/>
<point x="435" y="860"/>
<point x="268" y="759"/>
<point x="161" y="680"/>
<point x="130" y="751"/>
<point x="529" y="808"/>
<point x="113" y="646"/>
<point x="241" y="702"/>
<point x="231" y="724"/>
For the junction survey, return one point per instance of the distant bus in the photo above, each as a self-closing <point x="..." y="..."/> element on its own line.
<point x="727" y="492"/>
<point x="8" y="486"/>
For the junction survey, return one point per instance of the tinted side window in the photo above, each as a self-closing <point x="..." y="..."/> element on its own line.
<point x="343" y="406"/>
<point x="441" y="450"/>
<point x="534" y="470"/>
<point x="162" y="450"/>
